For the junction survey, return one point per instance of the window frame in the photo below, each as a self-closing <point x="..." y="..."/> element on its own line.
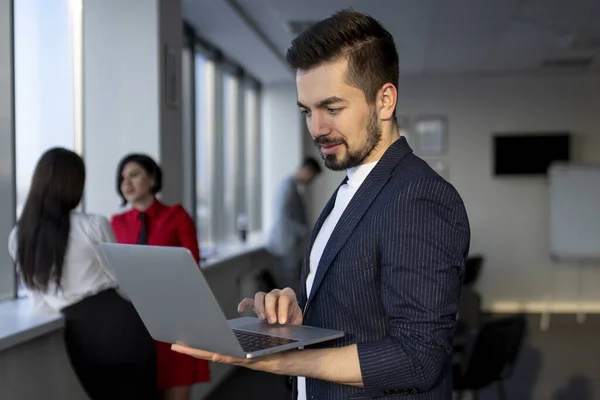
<point x="75" y="21"/>
<point x="253" y="153"/>
<point x="219" y="234"/>
<point x="188" y="110"/>
<point x="233" y="141"/>
<point x="210" y="140"/>
<point x="8" y="274"/>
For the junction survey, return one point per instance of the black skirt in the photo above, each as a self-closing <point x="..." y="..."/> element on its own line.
<point x="109" y="348"/>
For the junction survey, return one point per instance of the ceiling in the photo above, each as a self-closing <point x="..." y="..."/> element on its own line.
<point x="432" y="36"/>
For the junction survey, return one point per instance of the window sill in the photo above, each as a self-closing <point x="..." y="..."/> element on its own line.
<point x="228" y="251"/>
<point x="18" y="324"/>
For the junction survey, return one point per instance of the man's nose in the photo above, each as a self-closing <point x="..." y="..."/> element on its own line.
<point x="318" y="126"/>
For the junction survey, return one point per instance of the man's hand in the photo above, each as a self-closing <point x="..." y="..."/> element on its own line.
<point x="280" y="306"/>
<point x="268" y="363"/>
<point x="340" y="365"/>
<point x="276" y="306"/>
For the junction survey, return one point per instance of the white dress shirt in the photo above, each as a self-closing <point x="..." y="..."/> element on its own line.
<point x="85" y="270"/>
<point x="356" y="176"/>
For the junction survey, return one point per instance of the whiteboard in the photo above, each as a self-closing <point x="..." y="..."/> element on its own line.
<point x="574" y="212"/>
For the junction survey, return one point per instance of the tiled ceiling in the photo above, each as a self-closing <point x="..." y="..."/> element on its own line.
<point x="432" y="36"/>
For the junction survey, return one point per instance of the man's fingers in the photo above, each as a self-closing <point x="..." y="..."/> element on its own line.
<point x="293" y="313"/>
<point x="259" y="305"/>
<point x="271" y="305"/>
<point x="204" y="355"/>
<point x="289" y="292"/>
<point x="245" y="304"/>
<point x="283" y="311"/>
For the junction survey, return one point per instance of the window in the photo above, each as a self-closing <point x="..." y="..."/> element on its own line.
<point x="7" y="137"/>
<point x="227" y="171"/>
<point x="188" y="130"/>
<point x="205" y="134"/>
<point x="253" y="157"/>
<point x="45" y="114"/>
<point x="47" y="60"/>
<point x="231" y="157"/>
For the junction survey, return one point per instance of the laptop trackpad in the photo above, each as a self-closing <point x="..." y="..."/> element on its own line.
<point x="298" y="332"/>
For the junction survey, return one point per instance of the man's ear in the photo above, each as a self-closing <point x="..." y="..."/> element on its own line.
<point x="387" y="98"/>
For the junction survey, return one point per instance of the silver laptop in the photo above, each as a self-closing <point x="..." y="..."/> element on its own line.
<point x="175" y="302"/>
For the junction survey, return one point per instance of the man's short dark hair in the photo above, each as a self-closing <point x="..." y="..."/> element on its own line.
<point x="368" y="47"/>
<point x="148" y="164"/>
<point x="312" y="163"/>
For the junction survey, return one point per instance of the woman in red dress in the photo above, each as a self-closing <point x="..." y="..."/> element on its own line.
<point x="151" y="222"/>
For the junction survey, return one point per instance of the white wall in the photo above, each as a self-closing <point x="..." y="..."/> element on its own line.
<point x="508" y="216"/>
<point x="7" y="172"/>
<point x="121" y="92"/>
<point x="282" y="148"/>
<point x="124" y="106"/>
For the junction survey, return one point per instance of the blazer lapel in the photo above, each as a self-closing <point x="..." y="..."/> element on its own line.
<point x="313" y="236"/>
<point x="356" y="209"/>
<point x="349" y="219"/>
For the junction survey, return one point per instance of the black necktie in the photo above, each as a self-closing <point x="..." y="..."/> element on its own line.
<point x="143" y="236"/>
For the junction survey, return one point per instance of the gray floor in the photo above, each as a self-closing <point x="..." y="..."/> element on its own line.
<point x="246" y="384"/>
<point x="560" y="364"/>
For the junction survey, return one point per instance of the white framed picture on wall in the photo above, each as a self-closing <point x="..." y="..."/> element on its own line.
<point x="431" y="133"/>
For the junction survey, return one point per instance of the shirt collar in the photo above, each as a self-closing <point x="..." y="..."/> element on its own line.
<point x="358" y="174"/>
<point x="151" y="211"/>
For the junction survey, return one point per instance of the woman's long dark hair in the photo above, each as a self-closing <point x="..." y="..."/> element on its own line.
<point x="45" y="222"/>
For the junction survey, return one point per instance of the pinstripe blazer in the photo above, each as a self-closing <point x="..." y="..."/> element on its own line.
<point x="390" y="277"/>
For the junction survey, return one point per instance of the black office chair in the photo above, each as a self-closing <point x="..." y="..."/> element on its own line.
<point x="473" y="269"/>
<point x="491" y="356"/>
<point x="469" y="308"/>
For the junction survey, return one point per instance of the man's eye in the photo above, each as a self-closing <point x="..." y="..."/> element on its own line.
<point x="305" y="112"/>
<point x="333" y="110"/>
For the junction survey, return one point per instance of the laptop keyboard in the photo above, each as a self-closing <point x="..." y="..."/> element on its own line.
<point x="252" y="342"/>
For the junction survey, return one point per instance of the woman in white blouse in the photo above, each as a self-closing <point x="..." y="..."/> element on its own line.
<point x="60" y="264"/>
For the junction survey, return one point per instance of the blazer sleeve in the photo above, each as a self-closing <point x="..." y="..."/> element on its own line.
<point x="186" y="232"/>
<point x="424" y="243"/>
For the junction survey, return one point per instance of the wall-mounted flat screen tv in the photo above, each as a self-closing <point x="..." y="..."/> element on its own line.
<point x="529" y="153"/>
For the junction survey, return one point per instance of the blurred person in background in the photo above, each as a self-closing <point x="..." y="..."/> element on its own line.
<point x="56" y="250"/>
<point x="150" y="222"/>
<point x="289" y="232"/>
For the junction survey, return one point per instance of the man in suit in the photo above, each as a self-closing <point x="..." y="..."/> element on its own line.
<point x="386" y="257"/>
<point x="290" y="228"/>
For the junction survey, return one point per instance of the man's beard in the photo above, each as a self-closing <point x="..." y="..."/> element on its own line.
<point x="354" y="157"/>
